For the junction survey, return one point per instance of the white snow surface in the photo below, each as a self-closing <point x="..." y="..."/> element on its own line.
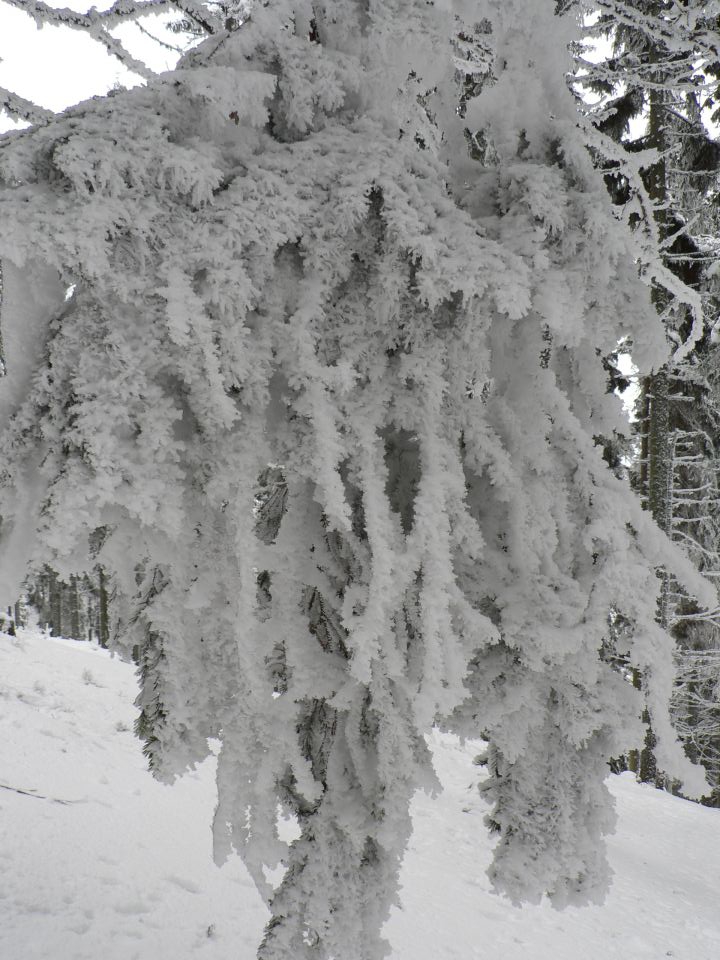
<point x="99" y="861"/>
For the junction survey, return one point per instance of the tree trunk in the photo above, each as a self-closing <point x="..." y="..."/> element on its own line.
<point x="657" y="465"/>
<point x="103" y="620"/>
<point x="55" y="605"/>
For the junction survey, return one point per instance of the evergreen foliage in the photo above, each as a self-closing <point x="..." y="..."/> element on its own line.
<point x="71" y="609"/>
<point x="657" y="89"/>
<point x="325" y="311"/>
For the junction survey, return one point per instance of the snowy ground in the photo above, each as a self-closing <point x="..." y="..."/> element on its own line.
<point x="98" y="861"/>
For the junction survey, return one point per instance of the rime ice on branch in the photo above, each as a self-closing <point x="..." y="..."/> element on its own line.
<point x="323" y="401"/>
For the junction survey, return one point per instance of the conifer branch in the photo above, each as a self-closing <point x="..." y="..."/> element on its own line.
<point x="23" y="109"/>
<point x="99" y="23"/>
<point x="122" y="11"/>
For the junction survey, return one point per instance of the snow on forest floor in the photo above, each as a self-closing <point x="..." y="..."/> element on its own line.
<point x="99" y="861"/>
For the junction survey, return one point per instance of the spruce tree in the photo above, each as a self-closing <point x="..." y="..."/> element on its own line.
<point x="656" y="91"/>
<point x="320" y="393"/>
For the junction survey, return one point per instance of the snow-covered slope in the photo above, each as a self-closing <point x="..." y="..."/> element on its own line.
<point x="98" y="861"/>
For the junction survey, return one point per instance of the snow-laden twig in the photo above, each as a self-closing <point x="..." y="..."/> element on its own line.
<point x="122" y="11"/>
<point x="36" y="796"/>
<point x="24" y="109"/>
<point x="99" y="23"/>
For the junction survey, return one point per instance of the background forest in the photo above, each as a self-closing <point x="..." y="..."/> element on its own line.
<point x="312" y="350"/>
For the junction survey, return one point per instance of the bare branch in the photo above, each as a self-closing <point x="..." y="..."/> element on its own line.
<point x="161" y="43"/>
<point x="35" y="795"/>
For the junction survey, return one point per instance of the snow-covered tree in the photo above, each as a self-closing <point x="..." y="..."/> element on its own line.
<point x="656" y="88"/>
<point x="324" y="313"/>
<point x="78" y="607"/>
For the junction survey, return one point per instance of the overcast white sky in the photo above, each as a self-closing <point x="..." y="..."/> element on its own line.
<point x="56" y="66"/>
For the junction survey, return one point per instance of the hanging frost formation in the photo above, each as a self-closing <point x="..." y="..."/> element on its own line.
<point x="322" y="400"/>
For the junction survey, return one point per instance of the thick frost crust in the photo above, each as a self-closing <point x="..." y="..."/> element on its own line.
<point x="322" y="400"/>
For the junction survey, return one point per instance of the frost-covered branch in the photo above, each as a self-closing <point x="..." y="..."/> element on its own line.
<point x="122" y="11"/>
<point x="682" y="31"/>
<point x="98" y="24"/>
<point x="254" y="413"/>
<point x="23" y="109"/>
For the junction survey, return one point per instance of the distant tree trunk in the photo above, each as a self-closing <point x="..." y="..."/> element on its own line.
<point x="656" y="468"/>
<point x="67" y="608"/>
<point x="75" y="612"/>
<point x="55" y="605"/>
<point x="103" y="619"/>
<point x="633" y="757"/>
